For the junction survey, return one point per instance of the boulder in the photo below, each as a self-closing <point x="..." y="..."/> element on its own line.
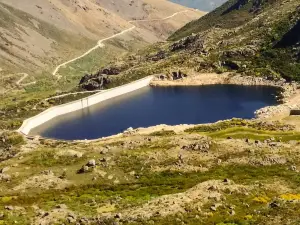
<point x="9" y="207"/>
<point x="83" y="169"/>
<point x="92" y="82"/>
<point x="110" y="71"/>
<point x="4" y="169"/>
<point x="91" y="163"/>
<point x="5" y="177"/>
<point x="191" y="42"/>
<point x="158" y="56"/>
<point x="177" y="75"/>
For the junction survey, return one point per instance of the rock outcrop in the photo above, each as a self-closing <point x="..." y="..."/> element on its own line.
<point x="194" y="42"/>
<point x="98" y="80"/>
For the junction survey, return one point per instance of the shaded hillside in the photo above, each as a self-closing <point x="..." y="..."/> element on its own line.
<point x="291" y="38"/>
<point x="231" y="14"/>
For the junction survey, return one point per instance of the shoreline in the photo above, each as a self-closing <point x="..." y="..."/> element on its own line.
<point x="289" y="95"/>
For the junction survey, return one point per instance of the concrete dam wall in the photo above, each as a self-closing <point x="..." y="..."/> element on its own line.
<point x="81" y="104"/>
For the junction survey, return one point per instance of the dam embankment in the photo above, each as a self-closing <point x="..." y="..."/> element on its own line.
<point x="80" y="104"/>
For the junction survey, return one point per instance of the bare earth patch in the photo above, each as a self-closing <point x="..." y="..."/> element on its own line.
<point x="43" y="181"/>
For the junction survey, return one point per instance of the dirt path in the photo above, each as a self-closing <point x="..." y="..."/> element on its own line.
<point x="100" y="42"/>
<point x="25" y="75"/>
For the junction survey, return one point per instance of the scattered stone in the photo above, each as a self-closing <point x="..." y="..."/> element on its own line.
<point x="71" y="220"/>
<point x="274" y="204"/>
<point x="116" y="181"/>
<point x="232" y="212"/>
<point x="103" y="160"/>
<point x="130" y="129"/>
<point x="45" y="214"/>
<point x="213" y="188"/>
<point x="104" y="151"/>
<point x="132" y="173"/>
<point x="4" y="169"/>
<point x="5" y="177"/>
<point x="63" y="175"/>
<point x="118" y="216"/>
<point x="202" y="146"/>
<point x="47" y="172"/>
<point x="72" y="215"/>
<point x="293" y="168"/>
<point x="9" y="207"/>
<point x="61" y="206"/>
<point x="40" y="212"/>
<point x="83" y="169"/>
<point x="91" y="163"/>
<point x="1" y="216"/>
<point x="227" y="181"/>
<point x="180" y="159"/>
<point x="213" y="208"/>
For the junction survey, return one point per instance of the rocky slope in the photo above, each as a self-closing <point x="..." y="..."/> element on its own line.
<point x="253" y="38"/>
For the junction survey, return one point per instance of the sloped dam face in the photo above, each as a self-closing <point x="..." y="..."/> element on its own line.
<point x="151" y="106"/>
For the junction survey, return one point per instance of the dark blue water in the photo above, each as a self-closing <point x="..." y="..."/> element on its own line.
<point x="159" y="105"/>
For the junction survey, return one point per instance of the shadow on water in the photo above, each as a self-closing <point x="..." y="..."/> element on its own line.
<point x="159" y="105"/>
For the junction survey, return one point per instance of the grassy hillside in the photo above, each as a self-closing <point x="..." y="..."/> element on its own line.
<point x="196" y="176"/>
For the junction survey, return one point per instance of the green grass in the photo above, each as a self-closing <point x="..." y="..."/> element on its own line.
<point x="241" y="129"/>
<point x="250" y="133"/>
<point x="49" y="158"/>
<point x="239" y="123"/>
<point x="87" y="199"/>
<point x="163" y="133"/>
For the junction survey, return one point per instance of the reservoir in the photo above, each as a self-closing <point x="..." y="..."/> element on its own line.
<point x="151" y="106"/>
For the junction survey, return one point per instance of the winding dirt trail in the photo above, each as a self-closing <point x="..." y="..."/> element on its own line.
<point x="100" y="42"/>
<point x="25" y="75"/>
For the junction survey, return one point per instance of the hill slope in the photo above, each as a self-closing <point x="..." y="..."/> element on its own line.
<point x="37" y="35"/>
<point x="256" y="38"/>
